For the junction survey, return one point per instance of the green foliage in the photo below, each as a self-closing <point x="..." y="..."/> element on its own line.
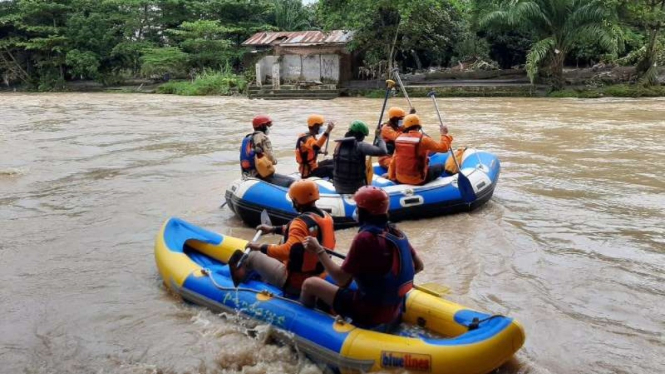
<point x="413" y="33"/>
<point x="83" y="64"/>
<point x="160" y="61"/>
<point x="208" y="83"/>
<point x="557" y="25"/>
<point x="204" y="43"/>
<point x="45" y="43"/>
<point x="291" y="15"/>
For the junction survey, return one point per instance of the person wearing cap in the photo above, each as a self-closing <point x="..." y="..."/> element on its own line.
<point x="381" y="262"/>
<point x="390" y="131"/>
<point x="287" y="265"/>
<point x="349" y="171"/>
<point x="410" y="163"/>
<point x="257" y="159"/>
<point x="308" y="148"/>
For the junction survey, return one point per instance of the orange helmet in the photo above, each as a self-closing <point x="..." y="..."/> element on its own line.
<point x="373" y="199"/>
<point x="261" y="120"/>
<point x="411" y="120"/>
<point x="304" y="192"/>
<point x="396" y="112"/>
<point x="315" y="119"/>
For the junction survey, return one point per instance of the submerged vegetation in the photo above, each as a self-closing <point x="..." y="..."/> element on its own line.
<point x="206" y="83"/>
<point x="197" y="43"/>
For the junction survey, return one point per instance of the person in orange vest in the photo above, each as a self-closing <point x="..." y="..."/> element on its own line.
<point x="308" y="148"/>
<point x="410" y="164"/>
<point x="381" y="261"/>
<point x="288" y="265"/>
<point x="390" y="131"/>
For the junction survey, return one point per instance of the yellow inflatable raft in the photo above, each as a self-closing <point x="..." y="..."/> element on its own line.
<point x="436" y="335"/>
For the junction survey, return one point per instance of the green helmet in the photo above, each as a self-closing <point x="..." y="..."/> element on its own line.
<point x="359" y="127"/>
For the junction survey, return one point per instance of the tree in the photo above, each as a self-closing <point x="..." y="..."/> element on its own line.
<point x="416" y="33"/>
<point x="650" y="16"/>
<point x="204" y="43"/>
<point x="557" y="25"/>
<point x="291" y="15"/>
<point x="162" y="61"/>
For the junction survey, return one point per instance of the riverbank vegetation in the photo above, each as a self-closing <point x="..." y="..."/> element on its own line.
<point x="45" y="45"/>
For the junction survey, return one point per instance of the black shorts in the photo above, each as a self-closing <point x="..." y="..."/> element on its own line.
<point x="363" y="314"/>
<point x="343" y="303"/>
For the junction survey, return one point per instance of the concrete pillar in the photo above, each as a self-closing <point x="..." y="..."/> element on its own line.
<point x="275" y="76"/>
<point x="259" y="74"/>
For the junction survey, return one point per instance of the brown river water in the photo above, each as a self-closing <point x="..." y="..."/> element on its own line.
<point x="572" y="244"/>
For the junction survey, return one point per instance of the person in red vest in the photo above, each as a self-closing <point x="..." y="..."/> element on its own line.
<point x="410" y="163"/>
<point x="381" y="262"/>
<point x="288" y="265"/>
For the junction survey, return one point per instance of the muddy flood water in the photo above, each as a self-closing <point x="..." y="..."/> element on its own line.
<point x="572" y="244"/>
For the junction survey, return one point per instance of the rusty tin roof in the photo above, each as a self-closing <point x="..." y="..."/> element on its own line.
<point x="299" y="38"/>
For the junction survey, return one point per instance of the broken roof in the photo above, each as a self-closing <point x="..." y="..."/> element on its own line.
<point x="299" y="38"/>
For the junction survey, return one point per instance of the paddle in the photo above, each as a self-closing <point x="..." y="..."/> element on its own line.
<point x="463" y="182"/>
<point x="401" y="85"/>
<point x="265" y="220"/>
<point x="430" y="288"/>
<point x="368" y="164"/>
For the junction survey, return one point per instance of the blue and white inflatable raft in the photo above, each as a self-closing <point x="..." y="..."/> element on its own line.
<point x="248" y="197"/>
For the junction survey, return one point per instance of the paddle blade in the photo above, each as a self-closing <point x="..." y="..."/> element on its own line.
<point x="369" y="171"/>
<point x="265" y="218"/>
<point x="465" y="188"/>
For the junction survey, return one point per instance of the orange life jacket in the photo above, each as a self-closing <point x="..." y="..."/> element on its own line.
<point x="306" y="158"/>
<point x="451" y="166"/>
<point x="302" y="264"/>
<point x="410" y="166"/>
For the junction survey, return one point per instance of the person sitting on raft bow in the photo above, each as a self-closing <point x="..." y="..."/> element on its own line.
<point x="308" y="148"/>
<point x="349" y="172"/>
<point x="410" y="164"/>
<point x="288" y="265"/>
<point x="381" y="262"/>
<point x="390" y="131"/>
<point x="257" y="159"/>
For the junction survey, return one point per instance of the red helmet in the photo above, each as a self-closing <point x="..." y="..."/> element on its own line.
<point x="261" y="120"/>
<point x="373" y="199"/>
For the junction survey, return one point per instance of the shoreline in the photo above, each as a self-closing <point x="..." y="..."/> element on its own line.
<point x="452" y="89"/>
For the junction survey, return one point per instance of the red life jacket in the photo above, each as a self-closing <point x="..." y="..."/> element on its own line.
<point x="410" y="166"/>
<point x="302" y="264"/>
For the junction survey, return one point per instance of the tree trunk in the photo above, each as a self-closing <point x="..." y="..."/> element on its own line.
<point x="650" y="55"/>
<point x="419" y="64"/>
<point x="558" y="81"/>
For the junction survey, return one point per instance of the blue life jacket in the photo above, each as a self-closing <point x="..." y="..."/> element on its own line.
<point x="247" y="154"/>
<point x="389" y="289"/>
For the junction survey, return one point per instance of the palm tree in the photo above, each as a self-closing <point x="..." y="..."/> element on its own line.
<point x="558" y="24"/>
<point x="290" y="15"/>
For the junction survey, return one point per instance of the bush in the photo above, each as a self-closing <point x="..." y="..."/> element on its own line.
<point x="209" y="83"/>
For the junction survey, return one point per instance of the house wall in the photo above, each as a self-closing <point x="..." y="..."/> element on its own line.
<point x="266" y="67"/>
<point x="299" y="67"/>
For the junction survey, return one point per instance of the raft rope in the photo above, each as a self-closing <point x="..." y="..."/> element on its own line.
<point x="208" y="272"/>
<point x="475" y="323"/>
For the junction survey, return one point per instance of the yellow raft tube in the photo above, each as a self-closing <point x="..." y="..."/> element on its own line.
<point x="436" y="335"/>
